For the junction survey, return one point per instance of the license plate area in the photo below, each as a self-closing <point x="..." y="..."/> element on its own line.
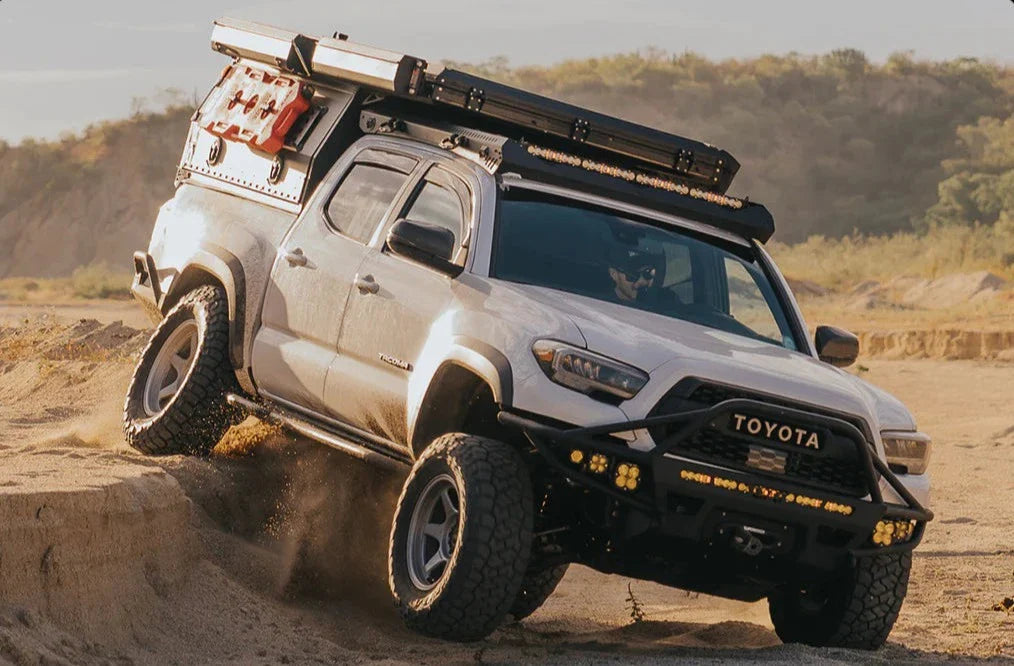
<point x="764" y="459"/>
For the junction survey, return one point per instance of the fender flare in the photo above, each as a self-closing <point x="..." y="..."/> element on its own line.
<point x="479" y="358"/>
<point x="486" y="361"/>
<point x="227" y="269"/>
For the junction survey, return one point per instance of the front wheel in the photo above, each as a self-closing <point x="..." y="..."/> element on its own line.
<point x="856" y="610"/>
<point x="176" y="400"/>
<point x="538" y="584"/>
<point x="461" y="537"/>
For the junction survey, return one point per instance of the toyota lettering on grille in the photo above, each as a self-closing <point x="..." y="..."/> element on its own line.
<point x="775" y="431"/>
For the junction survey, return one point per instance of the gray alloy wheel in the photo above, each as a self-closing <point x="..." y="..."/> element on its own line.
<point x="433" y="532"/>
<point x="170" y="367"/>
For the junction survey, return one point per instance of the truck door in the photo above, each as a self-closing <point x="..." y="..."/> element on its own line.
<point x="312" y="276"/>
<point x="390" y="316"/>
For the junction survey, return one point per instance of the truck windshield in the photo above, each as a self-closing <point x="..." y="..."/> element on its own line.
<point x="610" y="256"/>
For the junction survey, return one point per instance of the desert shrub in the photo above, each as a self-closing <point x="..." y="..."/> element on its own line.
<point x="99" y="281"/>
<point x="941" y="250"/>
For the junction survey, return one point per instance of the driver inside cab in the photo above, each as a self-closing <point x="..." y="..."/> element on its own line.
<point x="633" y="272"/>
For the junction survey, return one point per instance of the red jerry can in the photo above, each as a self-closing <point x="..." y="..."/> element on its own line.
<point x="256" y="107"/>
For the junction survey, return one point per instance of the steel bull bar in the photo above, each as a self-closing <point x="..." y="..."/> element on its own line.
<point x="756" y="492"/>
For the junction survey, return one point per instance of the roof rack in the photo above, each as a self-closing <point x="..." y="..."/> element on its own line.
<point x="481" y="103"/>
<point x="639" y="187"/>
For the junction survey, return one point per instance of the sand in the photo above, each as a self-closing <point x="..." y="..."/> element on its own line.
<point x="272" y="550"/>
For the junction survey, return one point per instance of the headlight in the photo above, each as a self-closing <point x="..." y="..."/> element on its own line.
<point x="910" y="450"/>
<point x="587" y="372"/>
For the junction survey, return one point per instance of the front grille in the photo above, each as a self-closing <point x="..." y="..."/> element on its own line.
<point x="706" y="395"/>
<point x="837" y="468"/>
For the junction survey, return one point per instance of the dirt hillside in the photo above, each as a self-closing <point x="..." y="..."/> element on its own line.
<point x="98" y="194"/>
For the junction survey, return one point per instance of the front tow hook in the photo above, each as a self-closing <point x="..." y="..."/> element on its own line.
<point x="751" y="541"/>
<point x="745" y="542"/>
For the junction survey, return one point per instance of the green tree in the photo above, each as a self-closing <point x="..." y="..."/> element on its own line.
<point x="979" y="186"/>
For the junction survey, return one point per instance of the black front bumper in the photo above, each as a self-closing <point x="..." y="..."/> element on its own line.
<point x="691" y="502"/>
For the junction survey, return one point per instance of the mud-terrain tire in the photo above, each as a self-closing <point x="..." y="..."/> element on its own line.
<point x="857" y="610"/>
<point x="486" y="547"/>
<point x="537" y="585"/>
<point x="193" y="415"/>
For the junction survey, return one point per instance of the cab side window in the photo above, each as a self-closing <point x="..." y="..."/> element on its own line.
<point x="679" y="272"/>
<point x="439" y="206"/>
<point x="441" y="199"/>
<point x="362" y="199"/>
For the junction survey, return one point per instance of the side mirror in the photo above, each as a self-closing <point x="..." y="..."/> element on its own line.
<point x="836" y="346"/>
<point x="428" y="244"/>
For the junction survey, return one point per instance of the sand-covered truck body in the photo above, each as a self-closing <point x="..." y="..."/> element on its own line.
<point x="558" y="323"/>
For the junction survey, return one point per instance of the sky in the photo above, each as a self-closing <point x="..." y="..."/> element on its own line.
<point x="67" y="63"/>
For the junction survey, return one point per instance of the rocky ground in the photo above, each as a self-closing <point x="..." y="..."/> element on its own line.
<point x="272" y="550"/>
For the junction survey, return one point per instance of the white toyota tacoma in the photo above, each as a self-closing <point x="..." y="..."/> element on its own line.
<point x="556" y="322"/>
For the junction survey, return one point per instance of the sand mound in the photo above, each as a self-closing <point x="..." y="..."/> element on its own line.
<point x="806" y="288"/>
<point x="1004" y="437"/>
<point x="951" y="290"/>
<point x="88" y="340"/>
<point x="73" y="521"/>
<point x="874" y="300"/>
<point x="865" y="287"/>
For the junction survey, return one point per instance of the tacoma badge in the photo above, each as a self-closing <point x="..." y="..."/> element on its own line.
<point x="396" y="362"/>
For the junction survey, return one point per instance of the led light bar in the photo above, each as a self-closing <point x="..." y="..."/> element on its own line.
<point x="632" y="176"/>
<point x="284" y="49"/>
<point x="766" y="492"/>
<point x="384" y="70"/>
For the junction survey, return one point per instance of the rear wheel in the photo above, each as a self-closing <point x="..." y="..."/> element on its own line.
<point x="461" y="537"/>
<point x="855" y="610"/>
<point x="176" y="399"/>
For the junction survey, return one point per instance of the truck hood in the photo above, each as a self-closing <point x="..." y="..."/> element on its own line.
<point x="671" y="349"/>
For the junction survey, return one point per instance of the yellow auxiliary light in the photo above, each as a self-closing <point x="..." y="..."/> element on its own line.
<point x="627" y="476"/>
<point x="576" y="456"/>
<point x="893" y="531"/>
<point x="598" y="464"/>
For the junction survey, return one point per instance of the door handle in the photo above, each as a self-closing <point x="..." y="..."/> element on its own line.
<point x="295" y="257"/>
<point x="366" y="284"/>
